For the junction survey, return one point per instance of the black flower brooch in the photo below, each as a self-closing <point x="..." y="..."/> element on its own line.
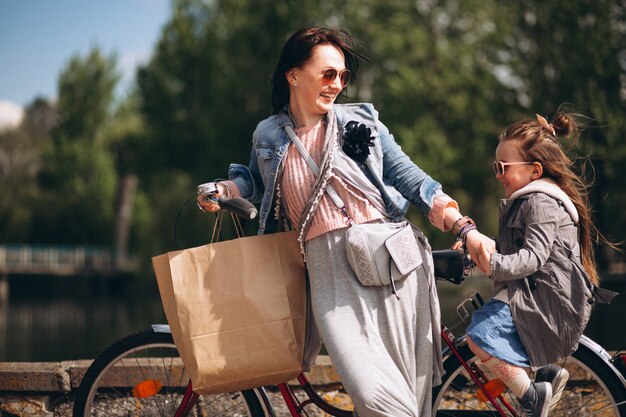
<point x="357" y="140"/>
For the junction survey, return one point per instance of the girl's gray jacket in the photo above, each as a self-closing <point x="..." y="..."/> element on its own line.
<point x="549" y="292"/>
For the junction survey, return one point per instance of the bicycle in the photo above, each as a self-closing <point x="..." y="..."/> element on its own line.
<point x="141" y="374"/>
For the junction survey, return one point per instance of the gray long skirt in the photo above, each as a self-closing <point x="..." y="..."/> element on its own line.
<point x="381" y="347"/>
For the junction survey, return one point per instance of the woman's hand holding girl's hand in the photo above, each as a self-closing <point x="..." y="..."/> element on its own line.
<point x="480" y="248"/>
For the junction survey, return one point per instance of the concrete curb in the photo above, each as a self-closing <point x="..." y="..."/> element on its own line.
<point x="63" y="377"/>
<point x="32" y="389"/>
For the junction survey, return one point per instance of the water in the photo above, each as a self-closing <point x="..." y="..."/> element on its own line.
<point x="54" y="319"/>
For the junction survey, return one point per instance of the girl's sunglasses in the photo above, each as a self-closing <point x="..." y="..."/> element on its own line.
<point x="499" y="166"/>
<point x="329" y="76"/>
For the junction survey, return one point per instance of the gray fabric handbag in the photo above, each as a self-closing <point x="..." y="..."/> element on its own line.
<point x="381" y="253"/>
<point x="378" y="253"/>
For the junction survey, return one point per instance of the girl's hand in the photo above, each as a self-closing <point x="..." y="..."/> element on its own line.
<point x="480" y="248"/>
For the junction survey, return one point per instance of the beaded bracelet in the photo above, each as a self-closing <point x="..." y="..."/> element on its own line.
<point x="458" y="225"/>
<point x="455" y="227"/>
<point x="462" y="227"/>
<point x="467" y="227"/>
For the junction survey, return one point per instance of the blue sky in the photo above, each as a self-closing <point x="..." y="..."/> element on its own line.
<point x="38" y="37"/>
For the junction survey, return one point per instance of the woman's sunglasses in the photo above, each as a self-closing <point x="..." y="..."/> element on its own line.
<point x="329" y="76"/>
<point x="499" y="166"/>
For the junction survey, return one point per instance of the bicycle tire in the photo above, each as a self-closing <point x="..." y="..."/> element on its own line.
<point x="148" y="362"/>
<point x="593" y="389"/>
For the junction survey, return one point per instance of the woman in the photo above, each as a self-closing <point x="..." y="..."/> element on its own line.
<point x="384" y="349"/>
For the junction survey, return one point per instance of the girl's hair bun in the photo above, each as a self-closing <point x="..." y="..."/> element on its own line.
<point x="564" y="125"/>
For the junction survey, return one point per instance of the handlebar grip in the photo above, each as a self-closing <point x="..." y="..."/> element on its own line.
<point x="449" y="265"/>
<point x="239" y="206"/>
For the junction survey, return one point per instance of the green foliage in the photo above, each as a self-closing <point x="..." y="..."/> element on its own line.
<point x="207" y="85"/>
<point x="573" y="53"/>
<point x="205" y="90"/>
<point x="446" y="77"/>
<point x="433" y="80"/>
<point x="79" y="177"/>
<point x="86" y="88"/>
<point x="21" y="152"/>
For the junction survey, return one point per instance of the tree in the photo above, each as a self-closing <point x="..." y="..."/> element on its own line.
<point x="125" y="139"/>
<point x="79" y="181"/>
<point x="572" y="53"/>
<point x="203" y="93"/>
<point x="434" y="79"/>
<point x="446" y="76"/>
<point x="207" y="84"/>
<point x="20" y="164"/>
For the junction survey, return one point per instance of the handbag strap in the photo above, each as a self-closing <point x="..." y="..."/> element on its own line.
<point x="341" y="206"/>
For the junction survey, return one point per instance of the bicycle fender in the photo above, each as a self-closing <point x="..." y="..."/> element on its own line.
<point x="161" y="328"/>
<point x="602" y="353"/>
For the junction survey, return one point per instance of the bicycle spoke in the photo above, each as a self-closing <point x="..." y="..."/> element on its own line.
<point x="590" y="404"/>
<point x="600" y="410"/>
<point x="131" y="408"/>
<point x="161" y="405"/>
<point x="464" y="405"/>
<point x="592" y="389"/>
<point x="142" y="375"/>
<point x="220" y="396"/>
<point x="228" y="409"/>
<point x="104" y="411"/>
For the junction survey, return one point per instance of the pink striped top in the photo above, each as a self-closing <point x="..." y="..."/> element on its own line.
<point x="298" y="181"/>
<point x="297" y="185"/>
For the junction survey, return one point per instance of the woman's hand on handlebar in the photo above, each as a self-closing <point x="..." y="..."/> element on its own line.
<point x="210" y="204"/>
<point x="480" y="248"/>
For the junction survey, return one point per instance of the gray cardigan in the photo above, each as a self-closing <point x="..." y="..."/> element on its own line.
<point x="549" y="292"/>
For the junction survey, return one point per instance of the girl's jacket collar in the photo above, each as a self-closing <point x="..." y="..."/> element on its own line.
<point x="550" y="188"/>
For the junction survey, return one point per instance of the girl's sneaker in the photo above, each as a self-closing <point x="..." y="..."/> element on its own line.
<point x="556" y="376"/>
<point x="536" y="401"/>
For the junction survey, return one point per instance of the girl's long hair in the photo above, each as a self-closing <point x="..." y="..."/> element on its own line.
<point x="540" y="143"/>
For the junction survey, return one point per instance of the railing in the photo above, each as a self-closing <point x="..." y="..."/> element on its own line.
<point x="55" y="260"/>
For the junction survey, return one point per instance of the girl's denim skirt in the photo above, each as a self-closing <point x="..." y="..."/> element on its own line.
<point x="493" y="330"/>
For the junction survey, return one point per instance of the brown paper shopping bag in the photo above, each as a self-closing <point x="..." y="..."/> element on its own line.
<point x="237" y="310"/>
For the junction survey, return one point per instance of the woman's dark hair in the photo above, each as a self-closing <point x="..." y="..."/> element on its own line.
<point x="298" y="50"/>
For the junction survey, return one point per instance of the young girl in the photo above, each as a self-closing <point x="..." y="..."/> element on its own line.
<point x="544" y="273"/>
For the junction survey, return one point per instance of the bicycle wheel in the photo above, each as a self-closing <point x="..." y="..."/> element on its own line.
<point x="593" y="389"/>
<point x="142" y="375"/>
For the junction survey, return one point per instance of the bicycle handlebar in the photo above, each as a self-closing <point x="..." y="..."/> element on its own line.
<point x="239" y="206"/>
<point x="451" y="265"/>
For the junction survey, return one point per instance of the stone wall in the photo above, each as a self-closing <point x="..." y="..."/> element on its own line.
<point x="45" y="389"/>
<point x="38" y="388"/>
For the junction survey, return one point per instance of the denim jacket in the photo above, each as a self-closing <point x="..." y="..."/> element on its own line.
<point x="403" y="181"/>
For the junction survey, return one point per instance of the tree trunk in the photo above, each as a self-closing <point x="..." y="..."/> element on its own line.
<point x="128" y="188"/>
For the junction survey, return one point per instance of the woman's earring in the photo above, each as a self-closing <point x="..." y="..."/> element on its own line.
<point x="295" y="84"/>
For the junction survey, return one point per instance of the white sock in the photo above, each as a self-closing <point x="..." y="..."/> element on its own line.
<point x="514" y="377"/>
<point x="490" y="376"/>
